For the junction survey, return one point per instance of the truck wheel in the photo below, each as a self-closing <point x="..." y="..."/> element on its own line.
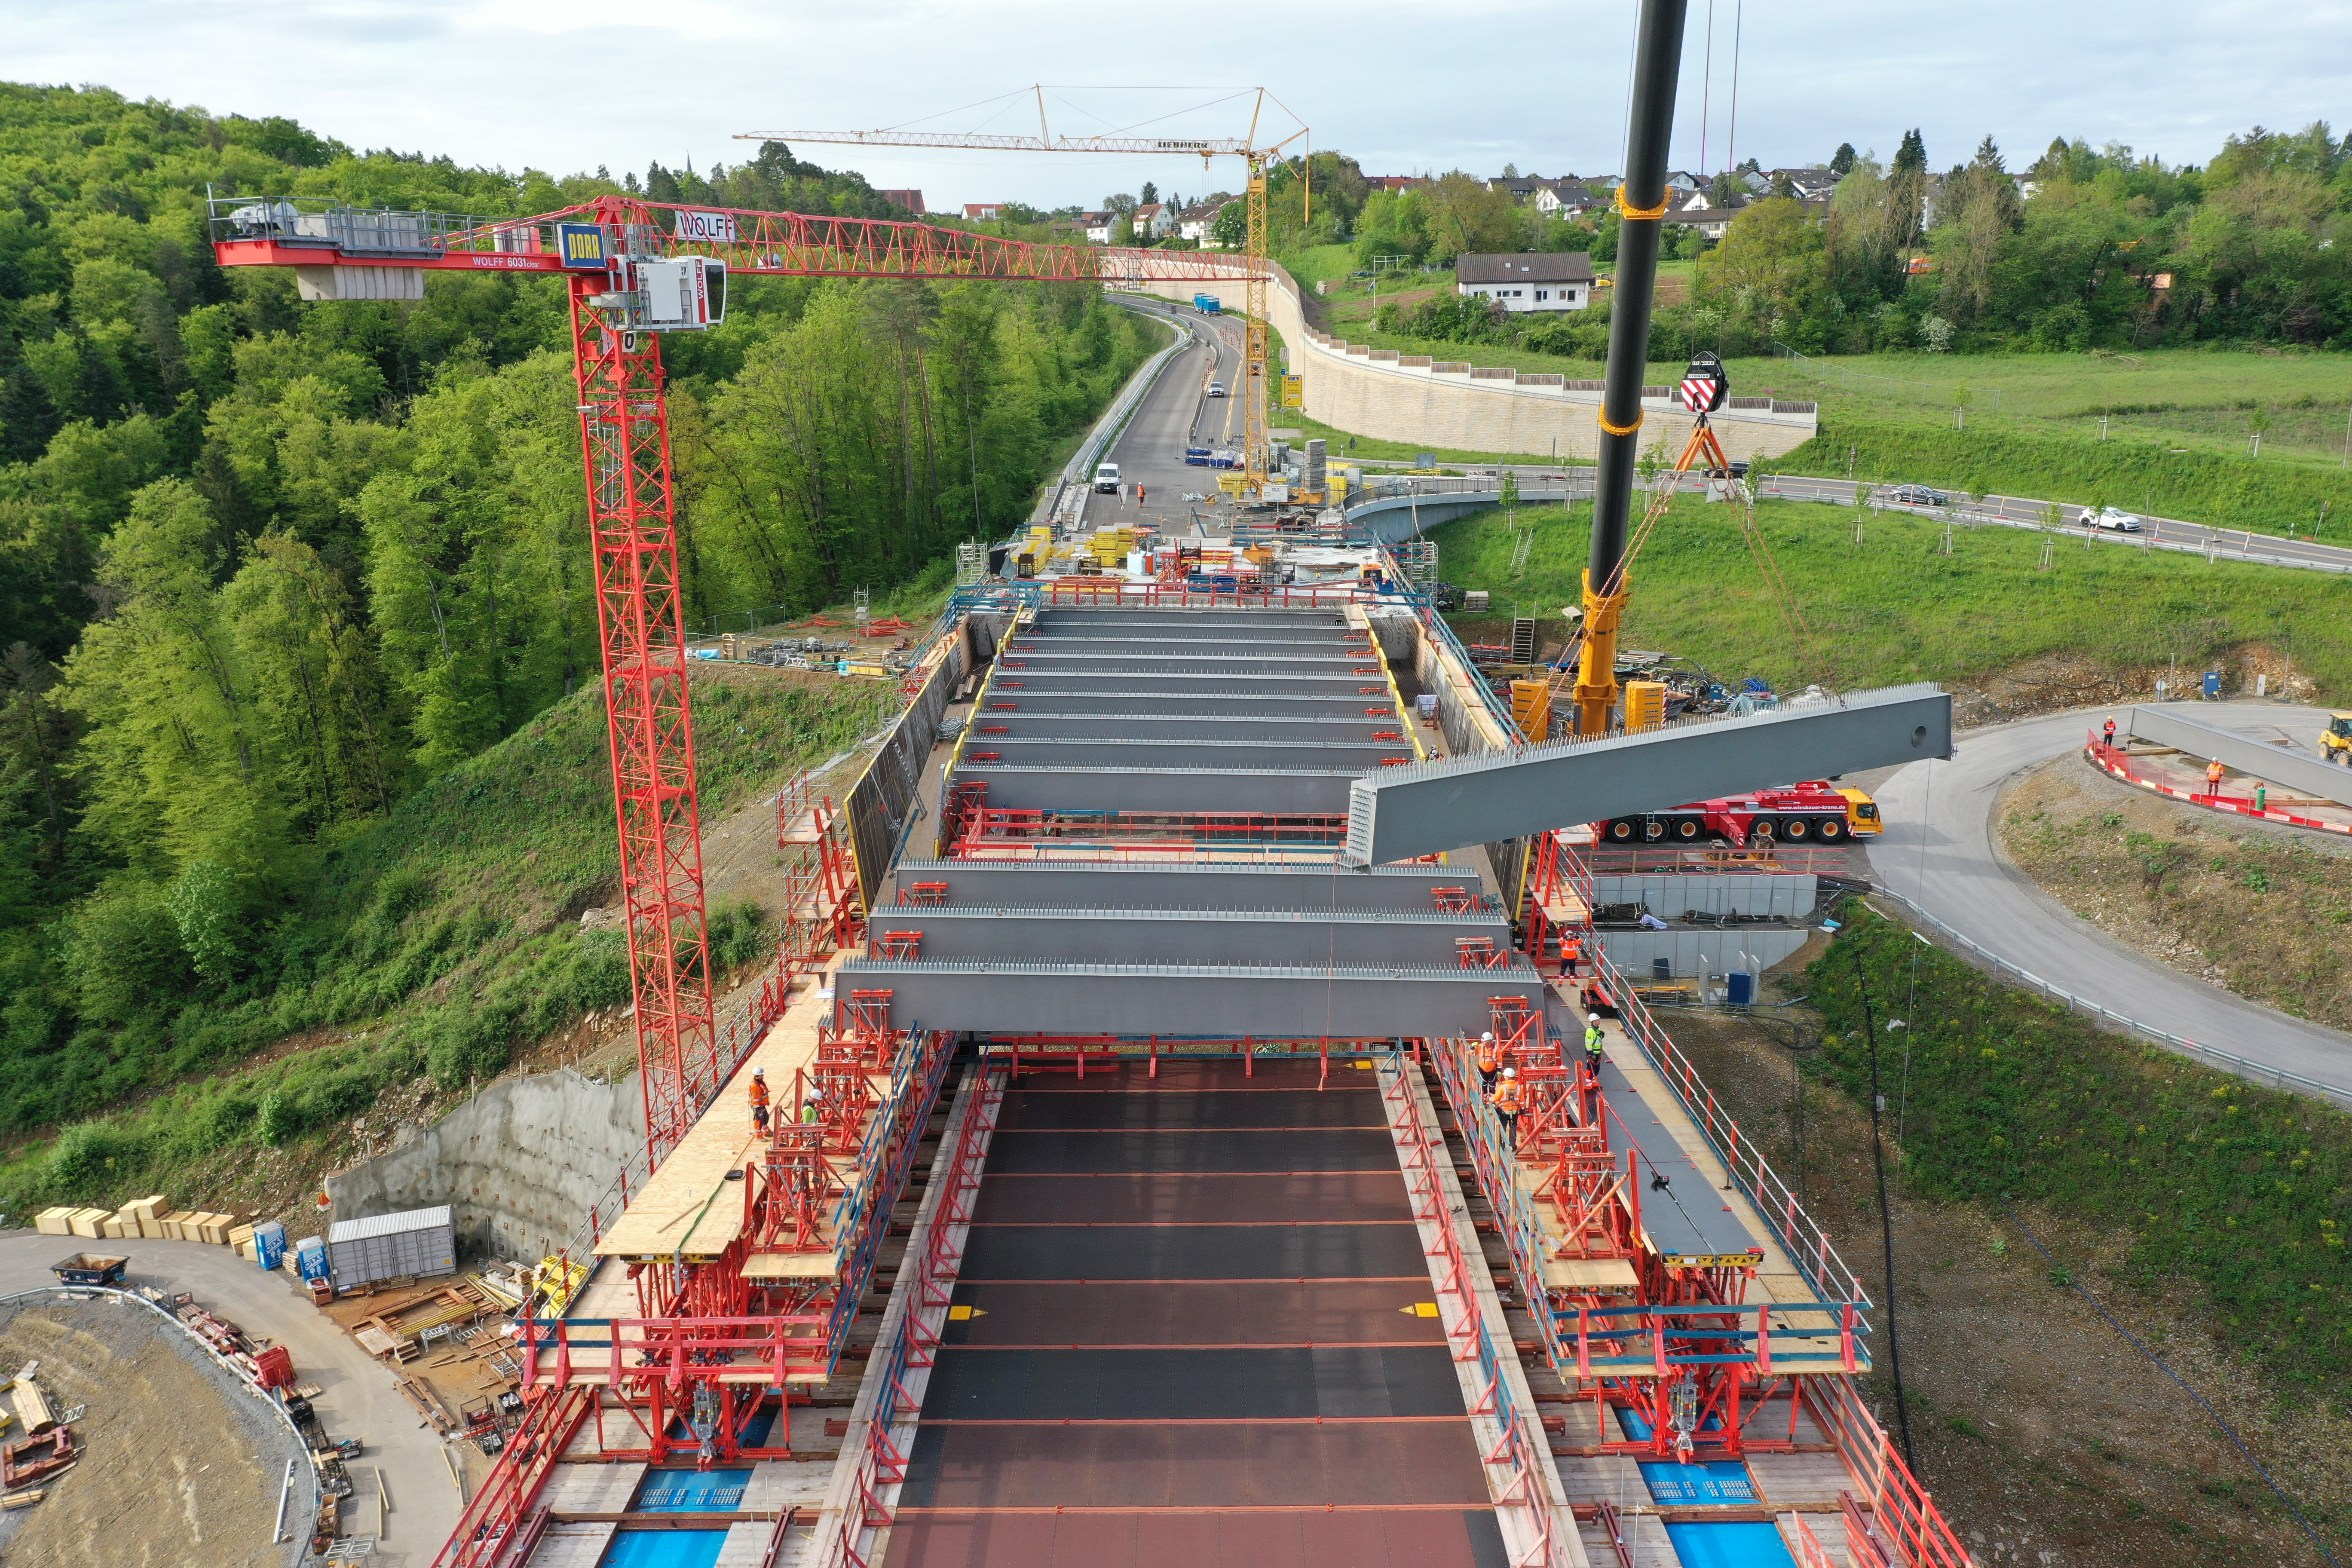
<point x="1653" y="831"/>
<point x="1831" y="829"/>
<point x="1620" y="830"/>
<point x="1687" y="828"/>
<point x="1796" y="827"/>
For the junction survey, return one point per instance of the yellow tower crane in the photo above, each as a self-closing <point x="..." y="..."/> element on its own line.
<point x="1256" y="444"/>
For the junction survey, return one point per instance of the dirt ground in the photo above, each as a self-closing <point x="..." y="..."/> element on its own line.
<point x="183" y="1468"/>
<point x="2044" y="1436"/>
<point x="2260" y="911"/>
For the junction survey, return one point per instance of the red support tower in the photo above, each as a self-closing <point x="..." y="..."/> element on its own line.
<point x="640" y="613"/>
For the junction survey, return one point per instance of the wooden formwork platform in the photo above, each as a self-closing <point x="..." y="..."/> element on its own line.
<point x="688" y="1209"/>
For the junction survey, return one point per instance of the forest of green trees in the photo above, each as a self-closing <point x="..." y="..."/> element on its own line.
<point x="2108" y="250"/>
<point x="267" y="568"/>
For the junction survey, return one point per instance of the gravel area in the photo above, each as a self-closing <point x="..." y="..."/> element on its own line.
<point x="183" y="1465"/>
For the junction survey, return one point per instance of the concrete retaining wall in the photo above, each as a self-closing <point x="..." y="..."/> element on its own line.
<point x="518" y="1164"/>
<point x="1751" y="893"/>
<point x="1691" y="953"/>
<point x="1470" y="409"/>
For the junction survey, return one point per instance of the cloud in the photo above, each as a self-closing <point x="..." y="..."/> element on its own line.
<point x="523" y="82"/>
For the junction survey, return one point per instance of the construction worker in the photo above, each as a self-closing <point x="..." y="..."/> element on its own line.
<point x="1571" y="952"/>
<point x="1592" y="1043"/>
<point x="1490" y="1062"/>
<point x="809" y="1105"/>
<point x="760" y="1098"/>
<point x="2110" y="732"/>
<point x="2213" y="777"/>
<point x="1505" y="1099"/>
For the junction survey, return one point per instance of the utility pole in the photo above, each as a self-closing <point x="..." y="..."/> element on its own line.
<point x="1641" y="212"/>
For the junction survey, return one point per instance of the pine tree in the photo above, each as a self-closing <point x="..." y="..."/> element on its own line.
<point x="1911" y="158"/>
<point x="1841" y="161"/>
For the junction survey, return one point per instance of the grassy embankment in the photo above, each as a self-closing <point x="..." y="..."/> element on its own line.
<point x="2178" y="424"/>
<point x="2246" y="1191"/>
<point x="436" y="941"/>
<point x="1891" y="609"/>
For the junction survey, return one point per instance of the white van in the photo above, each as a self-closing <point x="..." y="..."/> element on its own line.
<point x="1106" y="479"/>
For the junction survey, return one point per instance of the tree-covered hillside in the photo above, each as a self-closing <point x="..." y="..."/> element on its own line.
<point x="268" y="568"/>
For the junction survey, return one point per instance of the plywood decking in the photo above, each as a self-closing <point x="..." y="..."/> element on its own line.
<point x="688" y="1209"/>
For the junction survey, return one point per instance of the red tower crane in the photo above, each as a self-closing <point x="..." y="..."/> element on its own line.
<point x="637" y="269"/>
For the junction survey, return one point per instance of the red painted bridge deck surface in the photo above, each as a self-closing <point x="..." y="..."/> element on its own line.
<point x="1192" y="1336"/>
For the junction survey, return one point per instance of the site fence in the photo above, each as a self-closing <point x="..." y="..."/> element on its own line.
<point x="2238" y="1065"/>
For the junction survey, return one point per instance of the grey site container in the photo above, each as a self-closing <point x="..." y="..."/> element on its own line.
<point x="392" y="1246"/>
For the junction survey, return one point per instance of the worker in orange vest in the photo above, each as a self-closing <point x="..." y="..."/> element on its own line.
<point x="760" y="1098"/>
<point x="1506" y="1105"/>
<point x="1571" y="952"/>
<point x="2110" y="732"/>
<point x="1490" y="1062"/>
<point x="2214" y="778"/>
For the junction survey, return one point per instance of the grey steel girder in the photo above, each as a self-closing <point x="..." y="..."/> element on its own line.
<point x="1348" y="725"/>
<point x="1198" y="658"/>
<point x="1333" y="756"/>
<point x="1400" y="813"/>
<point x="1423" y="938"/>
<point x="1197" y="1001"/>
<point x="1160" y="791"/>
<point x="1148" y="684"/>
<point x="1331" y="644"/>
<point x="1223" y="699"/>
<point x="1158" y="619"/>
<point x="1159" y="885"/>
<point x="2168" y="726"/>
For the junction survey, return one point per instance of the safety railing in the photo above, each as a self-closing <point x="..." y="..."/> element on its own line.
<point x="611" y="1352"/>
<point x="881" y="1459"/>
<point x="1799" y="1235"/>
<point x="1527" y="1454"/>
<point x="497" y="1512"/>
<point x="1715" y="1324"/>
<point x="1904" y="1516"/>
<point x="1425" y="608"/>
<point x="1495" y="1165"/>
<point x="1804" y="1546"/>
<point x="2117" y="762"/>
<point x="2237" y="1065"/>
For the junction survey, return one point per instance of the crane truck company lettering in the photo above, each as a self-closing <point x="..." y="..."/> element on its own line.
<point x="582" y="245"/>
<point x="706" y="228"/>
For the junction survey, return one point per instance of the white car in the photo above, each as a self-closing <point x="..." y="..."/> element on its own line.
<point x="1216" y="389"/>
<point x="2111" y="518"/>
<point x="1106" y="479"/>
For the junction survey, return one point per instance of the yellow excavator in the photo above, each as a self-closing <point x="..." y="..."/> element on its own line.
<point x="2335" y="741"/>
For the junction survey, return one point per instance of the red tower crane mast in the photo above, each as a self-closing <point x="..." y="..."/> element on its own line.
<point x="637" y="269"/>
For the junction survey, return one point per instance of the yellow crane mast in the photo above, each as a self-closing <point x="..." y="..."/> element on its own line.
<point x="1257" y="338"/>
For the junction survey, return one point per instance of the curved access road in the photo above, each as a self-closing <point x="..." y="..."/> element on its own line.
<point x="356" y="1397"/>
<point x="1938" y="851"/>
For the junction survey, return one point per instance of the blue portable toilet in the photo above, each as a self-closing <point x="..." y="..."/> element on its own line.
<point x="2212" y="684"/>
<point x="310" y="1257"/>
<point x="1740" y="988"/>
<point x="269" y="1244"/>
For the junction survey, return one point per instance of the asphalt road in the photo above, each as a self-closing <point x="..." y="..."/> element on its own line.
<point x="1175" y="414"/>
<point x="1938" y="850"/>
<point x="357" y="1398"/>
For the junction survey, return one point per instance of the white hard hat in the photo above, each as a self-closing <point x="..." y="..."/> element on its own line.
<point x="1510" y="1072"/>
<point x="815" y="1092"/>
<point x="759" y="1072"/>
<point x="1488" y="1037"/>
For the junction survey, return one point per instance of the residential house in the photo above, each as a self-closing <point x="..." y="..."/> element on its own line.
<point x="1154" y="220"/>
<point x="1097" y="226"/>
<point x="1195" y="221"/>
<point x="1714" y="221"/>
<point x="1529" y="280"/>
<point x="983" y="212"/>
<point x="1520" y="188"/>
<point x="1572" y="197"/>
<point x="911" y="200"/>
<point x="1395" y="182"/>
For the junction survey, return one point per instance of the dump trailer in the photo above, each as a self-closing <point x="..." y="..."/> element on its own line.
<point x="1813" y="812"/>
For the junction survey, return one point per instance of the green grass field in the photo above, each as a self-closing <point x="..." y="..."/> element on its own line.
<point x="1891" y="609"/>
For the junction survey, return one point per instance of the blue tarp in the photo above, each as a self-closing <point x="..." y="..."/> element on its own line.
<point x="664" y="1549"/>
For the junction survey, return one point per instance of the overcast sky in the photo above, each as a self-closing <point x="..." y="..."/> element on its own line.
<point x="1404" y="89"/>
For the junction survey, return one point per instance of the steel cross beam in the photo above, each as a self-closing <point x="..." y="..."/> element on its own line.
<point x="1344" y="1002"/>
<point x="2258" y="759"/>
<point x="1400" y="813"/>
